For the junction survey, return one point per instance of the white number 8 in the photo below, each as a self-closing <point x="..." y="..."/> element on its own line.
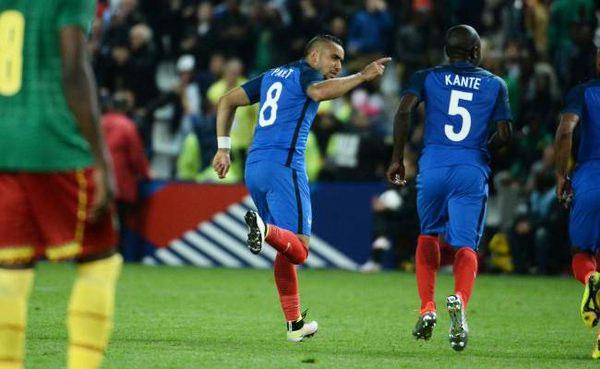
<point x="273" y="94"/>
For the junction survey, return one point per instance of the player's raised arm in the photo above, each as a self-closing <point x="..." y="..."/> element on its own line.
<point x="226" y="107"/>
<point x="395" y="173"/>
<point x="336" y="87"/>
<point x="563" y="143"/>
<point x="80" y="92"/>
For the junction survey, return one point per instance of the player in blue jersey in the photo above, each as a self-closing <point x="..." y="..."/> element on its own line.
<point x="461" y="102"/>
<point x="582" y="107"/>
<point x="276" y="177"/>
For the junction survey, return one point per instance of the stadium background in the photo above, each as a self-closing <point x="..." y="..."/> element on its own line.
<point x="166" y="63"/>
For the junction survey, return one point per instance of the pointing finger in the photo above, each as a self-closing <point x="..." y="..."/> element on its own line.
<point x="383" y="60"/>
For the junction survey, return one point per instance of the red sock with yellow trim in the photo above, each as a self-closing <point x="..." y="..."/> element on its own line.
<point x="287" y="243"/>
<point x="90" y="318"/>
<point x="15" y="286"/>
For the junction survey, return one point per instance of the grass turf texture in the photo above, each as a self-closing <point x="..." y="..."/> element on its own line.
<point x="176" y="318"/>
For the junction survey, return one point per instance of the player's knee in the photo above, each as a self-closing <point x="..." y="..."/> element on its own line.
<point x="305" y="240"/>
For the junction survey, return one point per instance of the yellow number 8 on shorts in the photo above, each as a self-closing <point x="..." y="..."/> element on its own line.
<point x="12" y="31"/>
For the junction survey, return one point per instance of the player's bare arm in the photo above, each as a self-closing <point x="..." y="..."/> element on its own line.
<point x="226" y="107"/>
<point x="563" y="143"/>
<point x="80" y="92"/>
<point x="336" y="87"/>
<point x="502" y="137"/>
<point x="395" y="173"/>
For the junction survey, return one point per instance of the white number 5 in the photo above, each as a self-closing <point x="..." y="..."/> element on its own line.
<point x="273" y="94"/>
<point x="454" y="109"/>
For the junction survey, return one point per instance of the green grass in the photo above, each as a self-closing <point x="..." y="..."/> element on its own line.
<point x="176" y="318"/>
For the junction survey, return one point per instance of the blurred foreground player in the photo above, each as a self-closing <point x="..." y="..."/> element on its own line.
<point x="276" y="177"/>
<point x="582" y="107"/>
<point x="54" y="177"/>
<point x="461" y="100"/>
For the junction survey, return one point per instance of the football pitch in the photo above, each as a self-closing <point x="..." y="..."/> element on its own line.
<point x="175" y="318"/>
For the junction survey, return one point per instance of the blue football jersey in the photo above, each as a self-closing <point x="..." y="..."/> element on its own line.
<point x="285" y="115"/>
<point x="584" y="100"/>
<point x="461" y="100"/>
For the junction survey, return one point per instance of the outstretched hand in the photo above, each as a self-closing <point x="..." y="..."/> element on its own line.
<point x="375" y="69"/>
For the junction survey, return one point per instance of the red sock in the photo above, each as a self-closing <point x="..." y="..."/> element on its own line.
<point x="286" y="280"/>
<point x="465" y="270"/>
<point x="287" y="243"/>
<point x="428" y="262"/>
<point x="447" y="253"/>
<point x="583" y="265"/>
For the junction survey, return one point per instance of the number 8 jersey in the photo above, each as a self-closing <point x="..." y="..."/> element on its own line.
<point x="461" y="101"/>
<point x="285" y="115"/>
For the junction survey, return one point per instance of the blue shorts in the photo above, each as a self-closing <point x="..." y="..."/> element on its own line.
<point x="451" y="201"/>
<point x="281" y="195"/>
<point x="584" y="223"/>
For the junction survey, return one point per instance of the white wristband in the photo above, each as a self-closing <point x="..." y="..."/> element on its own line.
<point x="224" y="142"/>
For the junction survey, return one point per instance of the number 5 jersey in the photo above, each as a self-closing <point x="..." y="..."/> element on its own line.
<point x="461" y="101"/>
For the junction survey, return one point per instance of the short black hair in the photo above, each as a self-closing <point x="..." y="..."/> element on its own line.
<point x="322" y="38"/>
<point x="460" y="40"/>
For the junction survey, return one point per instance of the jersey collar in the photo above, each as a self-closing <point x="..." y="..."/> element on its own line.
<point x="462" y="64"/>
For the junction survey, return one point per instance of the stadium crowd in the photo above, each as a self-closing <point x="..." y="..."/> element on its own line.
<point x="169" y="61"/>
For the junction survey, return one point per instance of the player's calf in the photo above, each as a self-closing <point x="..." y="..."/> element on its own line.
<point x="15" y="285"/>
<point x="90" y="317"/>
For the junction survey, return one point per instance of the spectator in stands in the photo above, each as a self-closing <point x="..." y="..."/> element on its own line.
<point x="414" y="40"/>
<point x="270" y="34"/>
<point x="127" y="154"/>
<point x="188" y="92"/>
<point x="370" y="30"/>
<point x="235" y="36"/>
<point x="142" y="63"/>
<point x="206" y="77"/>
<point x="358" y="151"/>
<point x="200" y="36"/>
